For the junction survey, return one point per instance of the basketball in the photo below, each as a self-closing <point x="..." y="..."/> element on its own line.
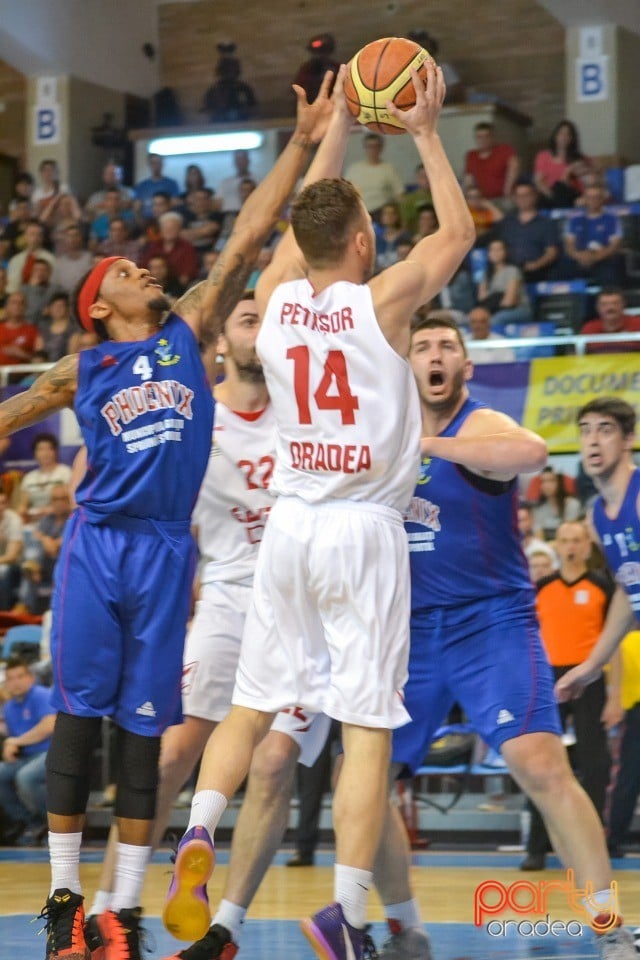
<point x="381" y="72"/>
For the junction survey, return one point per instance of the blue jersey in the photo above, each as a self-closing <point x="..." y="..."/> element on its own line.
<point x="146" y="413"/>
<point x="463" y="537"/>
<point x="620" y="539"/>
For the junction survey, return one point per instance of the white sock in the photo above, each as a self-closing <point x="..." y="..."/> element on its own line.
<point x="351" y="890"/>
<point x="64" y="856"/>
<point x="602" y="902"/>
<point x="407" y="914"/>
<point x="207" y="807"/>
<point x="131" y="866"/>
<point x="231" y="916"/>
<point x="101" y="902"/>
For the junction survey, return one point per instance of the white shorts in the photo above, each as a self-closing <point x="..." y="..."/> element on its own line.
<point x="328" y="625"/>
<point x="211" y="653"/>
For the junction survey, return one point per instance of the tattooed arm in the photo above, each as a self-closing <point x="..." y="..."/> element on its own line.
<point x="52" y="391"/>
<point x="206" y="306"/>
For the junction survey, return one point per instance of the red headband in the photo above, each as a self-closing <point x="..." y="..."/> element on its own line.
<point x="89" y="292"/>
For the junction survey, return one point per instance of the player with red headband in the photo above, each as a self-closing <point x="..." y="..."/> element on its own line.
<point x="126" y="565"/>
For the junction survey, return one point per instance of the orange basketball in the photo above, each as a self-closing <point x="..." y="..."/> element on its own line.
<point x="381" y="72"/>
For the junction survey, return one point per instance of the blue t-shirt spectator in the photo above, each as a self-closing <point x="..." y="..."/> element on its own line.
<point x="22" y="715"/>
<point x="156" y="183"/>
<point x="593" y="233"/>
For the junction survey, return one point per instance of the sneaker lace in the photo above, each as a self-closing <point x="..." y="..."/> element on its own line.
<point x="60" y="923"/>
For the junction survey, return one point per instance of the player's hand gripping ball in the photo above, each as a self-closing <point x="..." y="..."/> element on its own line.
<point x="380" y="72"/>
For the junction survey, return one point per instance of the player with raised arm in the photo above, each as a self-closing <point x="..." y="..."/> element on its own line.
<point x="124" y="574"/>
<point x="328" y="624"/>
<point x="475" y="637"/>
<point x="230" y="516"/>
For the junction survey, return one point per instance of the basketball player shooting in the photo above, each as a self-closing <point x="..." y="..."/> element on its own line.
<point x="328" y="624"/>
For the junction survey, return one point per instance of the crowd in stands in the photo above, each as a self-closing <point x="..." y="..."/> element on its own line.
<point x="549" y="224"/>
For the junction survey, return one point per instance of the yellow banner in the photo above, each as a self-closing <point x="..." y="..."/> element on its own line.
<point x="559" y="386"/>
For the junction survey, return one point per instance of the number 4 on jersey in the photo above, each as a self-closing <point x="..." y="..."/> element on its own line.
<point x="143" y="368"/>
<point x="334" y="376"/>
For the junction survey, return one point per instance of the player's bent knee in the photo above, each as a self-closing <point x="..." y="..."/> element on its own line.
<point x="274" y="763"/>
<point x="68" y="765"/>
<point x="137" y="782"/>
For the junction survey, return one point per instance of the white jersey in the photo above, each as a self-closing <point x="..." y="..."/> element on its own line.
<point x="234" y="500"/>
<point x="346" y="404"/>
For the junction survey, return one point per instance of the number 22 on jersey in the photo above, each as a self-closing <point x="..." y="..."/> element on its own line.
<point x="335" y="377"/>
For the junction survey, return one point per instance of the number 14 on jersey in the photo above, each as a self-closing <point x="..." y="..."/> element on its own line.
<point x="335" y="378"/>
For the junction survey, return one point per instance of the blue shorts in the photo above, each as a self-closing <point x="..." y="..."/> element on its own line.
<point x="120" y="605"/>
<point x="488" y="657"/>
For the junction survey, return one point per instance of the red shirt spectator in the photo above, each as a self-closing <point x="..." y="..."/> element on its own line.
<point x="181" y="255"/>
<point x="493" y="167"/>
<point x="17" y="337"/>
<point x="612" y="319"/>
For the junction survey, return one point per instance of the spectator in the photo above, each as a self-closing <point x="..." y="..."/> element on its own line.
<point x="427" y="223"/>
<point x="528" y="538"/>
<point x="38" y="291"/>
<point x="311" y="73"/>
<point x="229" y="98"/>
<point x="111" y="180"/>
<point x="11" y="541"/>
<point x="228" y="197"/>
<point x="502" y="291"/>
<point x="202" y="224"/>
<point x="159" y="268"/>
<point x="145" y="189"/>
<point x="73" y="261"/>
<point x="492" y="166"/>
<point x="458" y="295"/>
<point x="558" y="169"/>
<point x="593" y="240"/>
<point x="14" y="231"/>
<point x="572" y="606"/>
<point x="378" y="181"/>
<point x="29" y="718"/>
<point x="554" y="505"/>
<point x="38" y="568"/>
<point x="612" y="319"/>
<point x="264" y="259"/>
<point x="627" y="783"/>
<point x="530" y="238"/>
<point x="160" y="203"/>
<point x="37" y="485"/>
<point x="118" y="243"/>
<point x="193" y="180"/>
<point x="416" y="196"/>
<point x="541" y="562"/>
<point x="55" y="329"/>
<point x="49" y="188"/>
<point x="62" y="211"/>
<point x="21" y="264"/>
<point x="22" y="191"/>
<point x="483" y="212"/>
<point x="480" y="329"/>
<point x="113" y="206"/>
<point x="17" y="335"/>
<point x="181" y="255"/>
<point x="456" y="92"/>
<point x="389" y="232"/>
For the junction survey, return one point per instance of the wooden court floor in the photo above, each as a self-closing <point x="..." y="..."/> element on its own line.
<point x="445" y="885"/>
